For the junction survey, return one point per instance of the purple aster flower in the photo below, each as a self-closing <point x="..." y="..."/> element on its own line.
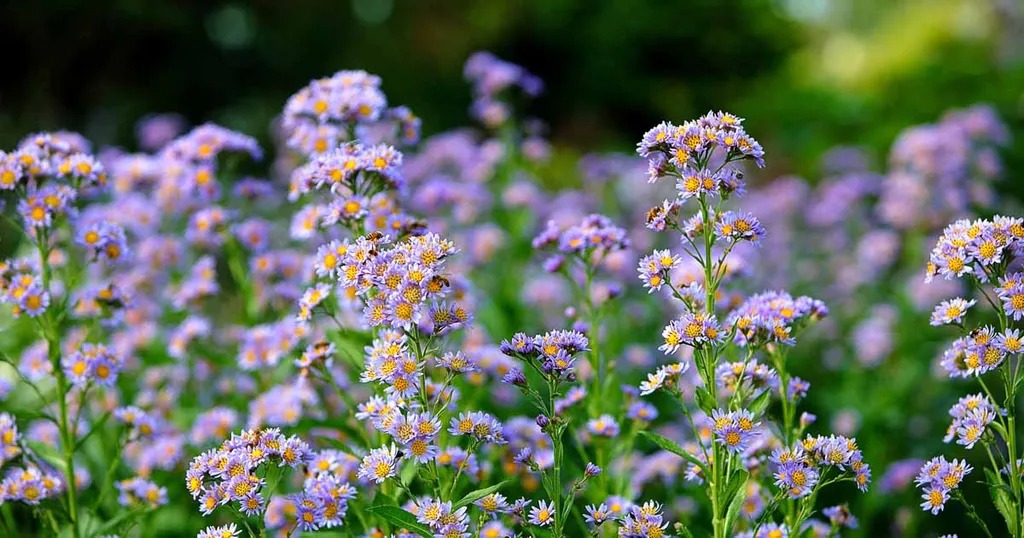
<point x="734" y="429"/>
<point x="34" y="300"/>
<point x="596" y="515"/>
<point x="642" y="411"/>
<point x="951" y="311"/>
<point x="380" y="464"/>
<point x="543" y="514"/>
<point x="604" y="426"/>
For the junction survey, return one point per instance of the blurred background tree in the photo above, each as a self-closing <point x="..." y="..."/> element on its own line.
<point x="808" y="74"/>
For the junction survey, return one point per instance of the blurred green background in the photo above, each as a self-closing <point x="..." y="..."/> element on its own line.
<point x="808" y="74"/>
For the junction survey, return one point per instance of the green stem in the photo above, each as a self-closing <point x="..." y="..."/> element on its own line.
<point x="717" y="521"/>
<point x="556" y="443"/>
<point x="458" y="472"/>
<point x="51" y="334"/>
<point x="788" y="407"/>
<point x="235" y="259"/>
<point x="973" y="514"/>
<point x="595" y="346"/>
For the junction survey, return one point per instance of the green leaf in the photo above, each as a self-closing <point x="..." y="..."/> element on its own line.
<point x="408" y="472"/>
<point x="50" y="454"/>
<point x="683" y="530"/>
<point x="336" y="444"/>
<point x="1001" y="498"/>
<point x="735" y="490"/>
<point x="667" y="444"/>
<point x="400" y="518"/>
<point x="95" y="427"/>
<point x="760" y="404"/>
<point x="478" y="494"/>
<point x="995" y="425"/>
<point x="112" y="523"/>
<point x="736" y="483"/>
<point x="704" y="400"/>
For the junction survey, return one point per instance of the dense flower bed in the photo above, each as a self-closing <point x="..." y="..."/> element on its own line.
<point x="396" y="337"/>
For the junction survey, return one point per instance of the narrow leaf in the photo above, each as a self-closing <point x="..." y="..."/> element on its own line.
<point x="400" y="518"/>
<point x="736" y="490"/>
<point x="473" y="496"/>
<point x="48" y="453"/>
<point x="121" y="517"/>
<point x="1001" y="498"/>
<point x="704" y="400"/>
<point x="736" y="483"/>
<point x="667" y="444"/>
<point x="760" y="404"/>
<point x="95" y="427"/>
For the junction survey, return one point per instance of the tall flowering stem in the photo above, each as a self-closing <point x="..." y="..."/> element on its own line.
<point x="732" y="397"/>
<point x="551" y="356"/>
<point x="988" y="256"/>
<point x="47" y="174"/>
<point x="581" y="250"/>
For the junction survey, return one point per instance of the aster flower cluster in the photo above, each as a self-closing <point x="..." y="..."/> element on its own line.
<point x="399" y="285"/>
<point x="986" y="253"/>
<point x="62" y="283"/>
<point x="731" y="426"/>
<point x="940" y="170"/>
<point x="198" y="150"/>
<point x="230" y="474"/>
<point x="551" y="356"/>
<point x="139" y="491"/>
<point x="939" y="478"/>
<point x="582" y="249"/>
<point x="93" y="363"/>
<point x="160" y="301"/>
<point x="634" y="521"/>
<point x="491" y="76"/>
<point x="323" y="501"/>
<point x="773" y="317"/>
<point x="594" y="233"/>
<point x="971" y="417"/>
<point x="735" y="430"/>
<point x="48" y="172"/>
<point x="30" y="485"/>
<point x="346" y="106"/>
<point x="362" y="182"/>
<point x="390" y="283"/>
<point x="680" y="151"/>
